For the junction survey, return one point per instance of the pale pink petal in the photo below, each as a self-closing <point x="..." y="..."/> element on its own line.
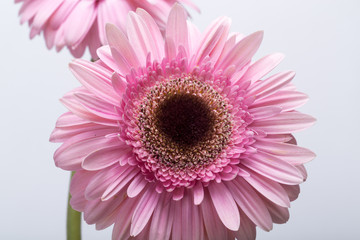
<point x="242" y="52"/>
<point x="122" y="225"/>
<point x="79" y="22"/>
<point x="268" y="188"/>
<point x="98" y="184"/>
<point x="105" y="157"/>
<point x="278" y="214"/>
<point x="287" y="100"/>
<point x="136" y="186"/>
<point x="155" y="32"/>
<point x="97" y="106"/>
<point x="118" y="41"/>
<point x="162" y="219"/>
<point x="274" y="168"/>
<point x="214" y="40"/>
<point x="143" y="211"/>
<point x="225" y="205"/>
<point x="293" y="191"/>
<point x="291" y="153"/>
<point x="176" y="28"/>
<point x="97" y="209"/>
<point x="70" y="154"/>
<point x="286" y="122"/>
<point x="262" y="67"/>
<point x="198" y="192"/>
<point x="94" y="81"/>
<point x="141" y="38"/>
<point x="264" y="112"/>
<point x="266" y="87"/>
<point x="213" y="225"/>
<point x="249" y="201"/>
<point x="106" y="57"/>
<point x="120" y="183"/>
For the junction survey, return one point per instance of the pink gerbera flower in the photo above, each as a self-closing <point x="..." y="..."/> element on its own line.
<point x="180" y="138"/>
<point x="77" y="24"/>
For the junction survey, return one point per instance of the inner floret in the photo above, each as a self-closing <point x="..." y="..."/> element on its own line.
<point x="184" y="123"/>
<point x="185" y="119"/>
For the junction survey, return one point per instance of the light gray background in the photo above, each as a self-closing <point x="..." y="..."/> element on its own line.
<point x="321" y="41"/>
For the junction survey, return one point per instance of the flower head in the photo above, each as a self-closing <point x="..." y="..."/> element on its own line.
<point x="182" y="137"/>
<point x="78" y="24"/>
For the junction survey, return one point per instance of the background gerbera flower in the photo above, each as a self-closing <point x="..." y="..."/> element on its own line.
<point x="182" y="138"/>
<point x="78" y="24"/>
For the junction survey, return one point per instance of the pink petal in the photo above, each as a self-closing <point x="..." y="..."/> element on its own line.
<point x="141" y="38"/>
<point x="213" y="225"/>
<point x="121" y="229"/>
<point x="136" y="185"/>
<point x="225" y="205"/>
<point x="143" y="211"/>
<point x="262" y="67"/>
<point x="270" y="189"/>
<point x="250" y="203"/>
<point x="97" y="106"/>
<point x="98" y="184"/>
<point x="278" y="214"/>
<point x="118" y="41"/>
<point x="106" y="57"/>
<point x="162" y="219"/>
<point x="79" y="22"/>
<point x="214" y="40"/>
<point x="264" y="112"/>
<point x="62" y="13"/>
<point x="119" y="184"/>
<point x="293" y="191"/>
<point x="155" y="32"/>
<point x="70" y="154"/>
<point x="96" y="210"/>
<point x="287" y="100"/>
<point x="242" y="52"/>
<point x="291" y="153"/>
<point x="71" y="103"/>
<point x="198" y="192"/>
<point x="286" y="122"/>
<point x="270" y="85"/>
<point x="105" y="157"/>
<point x="274" y="168"/>
<point x="119" y="83"/>
<point x="176" y="28"/>
<point x="92" y="79"/>
<point x="45" y="11"/>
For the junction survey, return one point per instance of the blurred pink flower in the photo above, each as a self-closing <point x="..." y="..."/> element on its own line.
<point x="180" y="138"/>
<point x="78" y="24"/>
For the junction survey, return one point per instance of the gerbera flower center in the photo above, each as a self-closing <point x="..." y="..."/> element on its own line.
<point x="184" y="118"/>
<point x="184" y="123"/>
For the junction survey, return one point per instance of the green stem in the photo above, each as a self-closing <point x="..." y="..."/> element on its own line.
<point x="73" y="221"/>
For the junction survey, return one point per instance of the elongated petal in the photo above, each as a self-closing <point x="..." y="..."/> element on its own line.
<point x="143" y="211"/>
<point x="162" y="219"/>
<point x="242" y="52"/>
<point x="250" y="203"/>
<point x="270" y="189"/>
<point x="291" y="153"/>
<point x="274" y="168"/>
<point x="286" y="122"/>
<point x="262" y="67"/>
<point x="225" y="205"/>
<point x="96" y="83"/>
<point x="176" y="28"/>
<point x="266" y="87"/>
<point x="120" y="43"/>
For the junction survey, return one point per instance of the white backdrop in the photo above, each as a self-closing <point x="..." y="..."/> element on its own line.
<point x="321" y="40"/>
